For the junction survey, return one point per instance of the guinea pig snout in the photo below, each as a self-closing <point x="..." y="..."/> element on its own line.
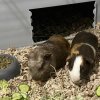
<point x="75" y="77"/>
<point x="74" y="73"/>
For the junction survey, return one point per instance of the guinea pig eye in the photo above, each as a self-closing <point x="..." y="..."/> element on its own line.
<point x="70" y="67"/>
<point x="47" y="56"/>
<point x="70" y="63"/>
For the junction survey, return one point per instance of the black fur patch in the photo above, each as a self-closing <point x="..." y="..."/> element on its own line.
<point x="85" y="37"/>
<point x="86" y="51"/>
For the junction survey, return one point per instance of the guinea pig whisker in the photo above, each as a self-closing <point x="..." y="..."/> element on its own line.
<point x="54" y="69"/>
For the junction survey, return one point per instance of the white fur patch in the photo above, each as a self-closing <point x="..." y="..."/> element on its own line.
<point x="75" y="72"/>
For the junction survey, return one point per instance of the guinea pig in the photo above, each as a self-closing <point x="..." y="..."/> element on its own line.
<point x="45" y="58"/>
<point x="82" y="56"/>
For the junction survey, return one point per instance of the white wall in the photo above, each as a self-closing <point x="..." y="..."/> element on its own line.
<point x="98" y="10"/>
<point x="31" y="4"/>
<point x="15" y="22"/>
<point x="15" y="27"/>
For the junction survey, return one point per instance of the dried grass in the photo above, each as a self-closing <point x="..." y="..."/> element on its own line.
<point x="59" y="88"/>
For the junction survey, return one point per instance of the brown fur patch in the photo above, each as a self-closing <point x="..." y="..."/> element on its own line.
<point x="74" y="50"/>
<point x="59" y="39"/>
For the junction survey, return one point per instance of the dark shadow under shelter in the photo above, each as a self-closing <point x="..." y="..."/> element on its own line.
<point x="63" y="20"/>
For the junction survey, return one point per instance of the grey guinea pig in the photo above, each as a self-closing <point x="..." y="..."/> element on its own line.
<point x="47" y="57"/>
<point x="82" y="56"/>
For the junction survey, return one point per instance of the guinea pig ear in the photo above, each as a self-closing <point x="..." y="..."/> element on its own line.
<point x="47" y="56"/>
<point x="89" y="60"/>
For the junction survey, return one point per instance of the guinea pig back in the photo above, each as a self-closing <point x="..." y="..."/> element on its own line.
<point x="85" y="37"/>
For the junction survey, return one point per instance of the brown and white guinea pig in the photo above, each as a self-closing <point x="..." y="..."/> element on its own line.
<point x="47" y="57"/>
<point x="82" y="56"/>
